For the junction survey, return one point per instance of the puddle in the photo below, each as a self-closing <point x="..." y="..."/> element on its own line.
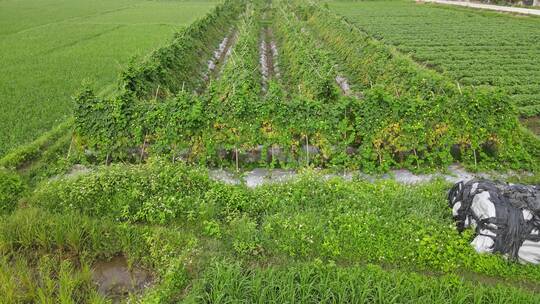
<point x="224" y="177"/>
<point x="263" y="61"/>
<point x="116" y="281"/>
<point x="77" y="170"/>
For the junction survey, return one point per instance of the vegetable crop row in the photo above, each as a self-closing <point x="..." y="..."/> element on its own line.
<point x="409" y="116"/>
<point x="464" y="43"/>
<point x="180" y="65"/>
<point x="416" y="114"/>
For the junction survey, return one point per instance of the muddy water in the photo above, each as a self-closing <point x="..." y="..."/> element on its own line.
<point x="116" y="281"/>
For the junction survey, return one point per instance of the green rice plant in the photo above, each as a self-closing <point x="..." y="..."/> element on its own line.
<point x="49" y="47"/>
<point x="316" y="282"/>
<point x="34" y="232"/>
<point x="48" y="280"/>
<point x="52" y="254"/>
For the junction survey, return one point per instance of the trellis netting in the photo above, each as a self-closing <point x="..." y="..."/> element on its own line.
<point x="506" y="217"/>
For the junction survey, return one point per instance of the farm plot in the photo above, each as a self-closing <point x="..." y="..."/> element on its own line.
<point x="473" y="47"/>
<point x="328" y="104"/>
<point x="47" y="48"/>
<point x="198" y="240"/>
<point x="113" y="206"/>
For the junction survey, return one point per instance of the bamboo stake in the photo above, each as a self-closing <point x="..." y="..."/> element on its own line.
<point x="307" y="150"/>
<point x="142" y="149"/>
<point x="416" y="155"/>
<point x="236" y="154"/>
<point x="157" y="92"/>
<point x="70" y="145"/>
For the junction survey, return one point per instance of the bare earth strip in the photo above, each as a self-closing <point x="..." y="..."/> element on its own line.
<point x="517" y="10"/>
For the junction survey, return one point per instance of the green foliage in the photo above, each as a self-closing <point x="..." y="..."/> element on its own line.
<point x="49" y="47"/>
<point x="212" y="229"/>
<point x="111" y="126"/>
<point x="24" y="154"/>
<point x="246" y="239"/>
<point x="174" y="280"/>
<point x="310" y="218"/>
<point x="316" y="282"/>
<point x="412" y="116"/>
<point x="177" y="66"/>
<point x="11" y="187"/>
<point x="51" y="280"/>
<point x="409" y="116"/>
<point x="133" y="194"/>
<point x="474" y="47"/>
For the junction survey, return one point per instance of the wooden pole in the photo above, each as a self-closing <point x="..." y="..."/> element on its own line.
<point x="416" y="156"/>
<point x="142" y="149"/>
<point x="70" y="144"/>
<point x="236" y="154"/>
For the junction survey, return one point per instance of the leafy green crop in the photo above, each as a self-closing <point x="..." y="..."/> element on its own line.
<point x="383" y="223"/>
<point x="407" y="116"/>
<point x="473" y="47"/>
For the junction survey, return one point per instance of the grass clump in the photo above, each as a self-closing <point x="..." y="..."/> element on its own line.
<point x="11" y="187"/>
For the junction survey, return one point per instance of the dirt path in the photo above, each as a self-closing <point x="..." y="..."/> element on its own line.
<point x="221" y="54"/>
<point x="508" y="9"/>
<point x="268" y="59"/>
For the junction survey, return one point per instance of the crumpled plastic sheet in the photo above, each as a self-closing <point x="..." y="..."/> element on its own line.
<point x="505" y="217"/>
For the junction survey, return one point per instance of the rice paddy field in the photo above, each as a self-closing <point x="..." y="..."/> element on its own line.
<point x="49" y="47"/>
<point x="255" y="155"/>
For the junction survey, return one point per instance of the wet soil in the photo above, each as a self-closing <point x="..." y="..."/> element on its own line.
<point x="116" y="280"/>
<point x="268" y="51"/>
